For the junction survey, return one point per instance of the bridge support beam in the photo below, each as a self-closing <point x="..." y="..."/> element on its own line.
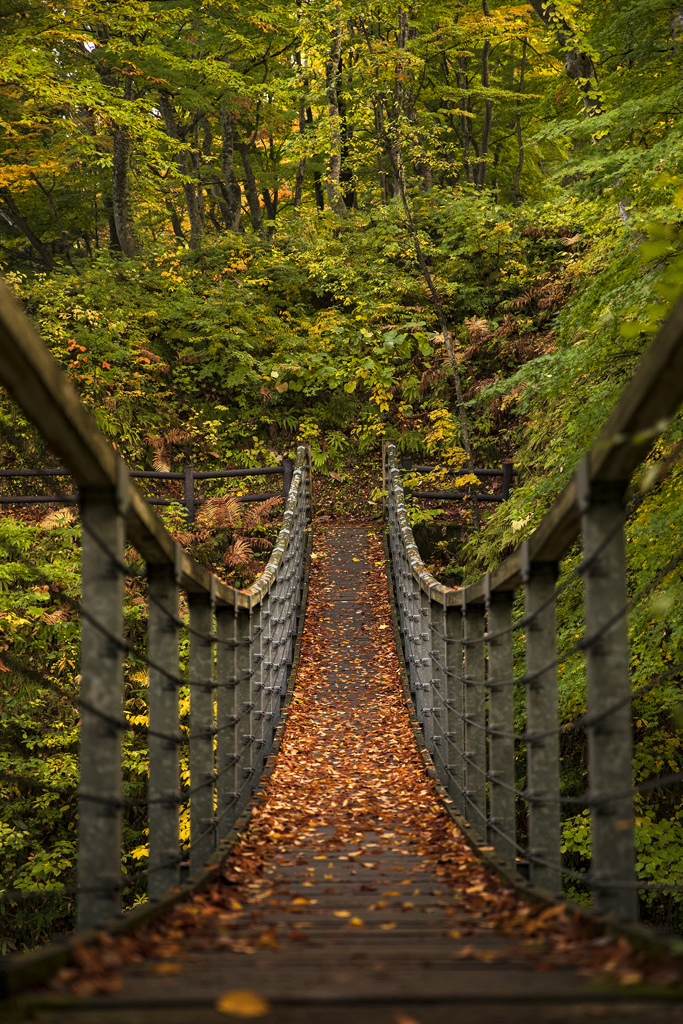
<point x="542" y="745"/>
<point x="501" y="723"/>
<point x="100" y="881"/>
<point x="608" y="722"/>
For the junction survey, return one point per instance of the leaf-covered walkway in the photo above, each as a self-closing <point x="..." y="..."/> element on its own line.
<point x="352" y="897"/>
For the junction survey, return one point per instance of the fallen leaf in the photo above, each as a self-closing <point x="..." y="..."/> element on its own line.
<point x="242" y="1002"/>
<point x="356" y="922"/>
<point x="342" y="913"/>
<point x="166" y="968"/>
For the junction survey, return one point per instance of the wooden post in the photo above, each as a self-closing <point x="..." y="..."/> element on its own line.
<point x="543" y="752"/>
<point x="226" y="724"/>
<point x="474" y="706"/>
<point x="202" y="772"/>
<point x="164" y="761"/>
<point x="610" y="727"/>
<point x="501" y="718"/>
<point x="100" y="790"/>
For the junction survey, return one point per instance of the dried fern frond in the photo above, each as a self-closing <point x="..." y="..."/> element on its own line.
<point x="220" y="512"/>
<point x="478" y="329"/>
<point x="256" y="515"/>
<point x="58" y="615"/>
<point x="239" y="553"/>
<point x="60" y="517"/>
<point x="161" y="463"/>
<point x="177" y="436"/>
<point x="260" y="543"/>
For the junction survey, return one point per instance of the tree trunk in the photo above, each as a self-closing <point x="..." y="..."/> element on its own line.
<point x="441" y="317"/>
<point x="232" y="192"/>
<point x="577" y="63"/>
<point x="520" y="140"/>
<point x="465" y="121"/>
<point x="251" y="189"/>
<point x="120" y="186"/>
<point x="488" y="108"/>
<point x="334" y="196"/>
<point x="189" y="191"/>
<point x="15" y="219"/>
<point x="175" y="220"/>
<point x="676" y="26"/>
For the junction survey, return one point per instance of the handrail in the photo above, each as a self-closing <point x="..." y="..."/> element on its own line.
<point x="458" y="649"/>
<point x="241" y="646"/>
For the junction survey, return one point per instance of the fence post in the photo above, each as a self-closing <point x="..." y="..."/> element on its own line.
<point x="439" y="684"/>
<point x="102" y="646"/>
<point x="287" y="474"/>
<point x="424" y="693"/>
<point x="501" y="718"/>
<point x="543" y="753"/>
<point x="456" y="709"/>
<point x="474" y="707"/>
<point x="188" y="491"/>
<point x="507" y="479"/>
<point x="243" y="700"/>
<point x="164" y="760"/>
<point x="610" y="732"/>
<point x="202" y="773"/>
<point x="226" y="725"/>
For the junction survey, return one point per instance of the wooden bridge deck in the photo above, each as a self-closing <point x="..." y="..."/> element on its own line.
<point x="352" y="898"/>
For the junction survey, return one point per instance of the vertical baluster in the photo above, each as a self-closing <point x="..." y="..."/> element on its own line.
<point x="501" y="717"/>
<point x="454" y="692"/>
<point x="474" y="700"/>
<point x="164" y="753"/>
<point x="99" y="819"/>
<point x="226" y="746"/>
<point x="543" y="765"/>
<point x="243" y="703"/>
<point x="202" y="773"/>
<point x="610" y="738"/>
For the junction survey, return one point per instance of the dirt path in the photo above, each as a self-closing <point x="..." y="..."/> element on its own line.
<point x="352" y="897"/>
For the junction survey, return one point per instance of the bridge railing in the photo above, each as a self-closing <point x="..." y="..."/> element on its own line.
<point x="240" y="642"/>
<point x="458" y="648"/>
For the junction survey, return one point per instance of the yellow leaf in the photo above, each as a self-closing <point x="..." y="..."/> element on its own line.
<point x="166" y="968"/>
<point x="242" y="1002"/>
<point x="455" y="934"/>
<point x="387" y="926"/>
<point x="342" y="913"/>
<point x="356" y="922"/>
<point x="301" y="900"/>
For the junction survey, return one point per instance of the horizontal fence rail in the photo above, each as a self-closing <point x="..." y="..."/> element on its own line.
<point x="223" y="651"/>
<point x="459" y="644"/>
<point x="188" y="477"/>
<point x="506" y="474"/>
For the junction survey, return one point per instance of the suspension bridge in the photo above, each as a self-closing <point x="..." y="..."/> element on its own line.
<point x="362" y="845"/>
